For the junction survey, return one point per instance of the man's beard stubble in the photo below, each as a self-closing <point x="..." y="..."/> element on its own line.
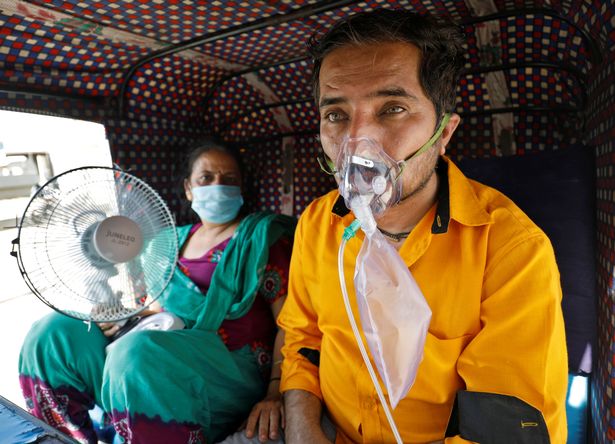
<point x="426" y="164"/>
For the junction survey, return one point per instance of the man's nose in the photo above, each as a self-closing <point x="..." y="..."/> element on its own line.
<point x="363" y="124"/>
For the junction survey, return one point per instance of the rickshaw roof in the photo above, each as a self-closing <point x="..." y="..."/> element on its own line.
<point x="240" y="70"/>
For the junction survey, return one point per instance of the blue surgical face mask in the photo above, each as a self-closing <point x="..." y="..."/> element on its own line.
<point x="218" y="204"/>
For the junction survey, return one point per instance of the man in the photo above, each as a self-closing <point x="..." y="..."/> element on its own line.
<point x="494" y="360"/>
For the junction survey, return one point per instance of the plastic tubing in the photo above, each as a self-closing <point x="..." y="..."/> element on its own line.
<point x="340" y="264"/>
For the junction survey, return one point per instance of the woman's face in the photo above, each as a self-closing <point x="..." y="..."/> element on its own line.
<point x="214" y="167"/>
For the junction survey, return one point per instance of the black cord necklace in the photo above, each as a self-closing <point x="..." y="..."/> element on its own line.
<point x="395" y="236"/>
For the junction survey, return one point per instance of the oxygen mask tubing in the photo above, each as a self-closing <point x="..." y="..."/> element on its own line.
<point x="393" y="312"/>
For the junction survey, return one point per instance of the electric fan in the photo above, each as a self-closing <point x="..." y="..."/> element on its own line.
<point x="96" y="244"/>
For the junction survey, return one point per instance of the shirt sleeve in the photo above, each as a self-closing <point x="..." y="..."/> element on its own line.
<point x="521" y="350"/>
<point x="275" y="279"/>
<point x="300" y="323"/>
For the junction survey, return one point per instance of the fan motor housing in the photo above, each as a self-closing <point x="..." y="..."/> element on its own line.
<point x="118" y="239"/>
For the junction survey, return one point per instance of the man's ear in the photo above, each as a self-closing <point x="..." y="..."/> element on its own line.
<point x="188" y="190"/>
<point x="448" y="131"/>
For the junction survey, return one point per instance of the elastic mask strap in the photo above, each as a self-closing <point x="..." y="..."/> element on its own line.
<point x="428" y="144"/>
<point x="326" y="164"/>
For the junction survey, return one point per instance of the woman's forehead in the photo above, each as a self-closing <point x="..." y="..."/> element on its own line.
<point x="216" y="160"/>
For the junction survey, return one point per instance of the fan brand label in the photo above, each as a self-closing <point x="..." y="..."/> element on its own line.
<point x="120" y="236"/>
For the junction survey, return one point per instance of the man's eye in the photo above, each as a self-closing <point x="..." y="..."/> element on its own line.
<point x="207" y="178"/>
<point x="334" y="116"/>
<point x="394" y="110"/>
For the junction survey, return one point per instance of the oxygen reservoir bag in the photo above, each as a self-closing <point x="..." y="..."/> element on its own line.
<point x="393" y="312"/>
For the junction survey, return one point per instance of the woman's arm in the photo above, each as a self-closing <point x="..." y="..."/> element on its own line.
<point x="268" y="414"/>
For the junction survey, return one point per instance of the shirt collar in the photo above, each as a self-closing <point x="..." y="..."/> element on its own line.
<point x="465" y="206"/>
<point x="456" y="200"/>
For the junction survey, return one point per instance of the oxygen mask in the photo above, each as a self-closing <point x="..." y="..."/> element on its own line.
<point x="367" y="175"/>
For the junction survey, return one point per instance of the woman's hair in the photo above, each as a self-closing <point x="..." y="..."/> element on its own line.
<point x="441" y="45"/>
<point x="200" y="148"/>
<point x="185" y="171"/>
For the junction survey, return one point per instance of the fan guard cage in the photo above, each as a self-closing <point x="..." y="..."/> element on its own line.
<point x="57" y="258"/>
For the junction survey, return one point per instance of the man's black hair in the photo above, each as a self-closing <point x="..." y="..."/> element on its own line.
<point x="439" y="41"/>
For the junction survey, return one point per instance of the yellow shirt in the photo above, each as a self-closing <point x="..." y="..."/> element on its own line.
<point x="489" y="275"/>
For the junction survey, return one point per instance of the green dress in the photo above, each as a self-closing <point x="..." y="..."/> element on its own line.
<point x="159" y="386"/>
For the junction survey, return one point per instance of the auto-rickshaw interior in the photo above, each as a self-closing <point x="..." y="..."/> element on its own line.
<point x="537" y="101"/>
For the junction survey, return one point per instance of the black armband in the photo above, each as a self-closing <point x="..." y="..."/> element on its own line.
<point x="489" y="418"/>
<point x="311" y="355"/>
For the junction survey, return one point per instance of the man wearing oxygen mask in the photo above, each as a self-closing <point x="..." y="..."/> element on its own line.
<point x="489" y="360"/>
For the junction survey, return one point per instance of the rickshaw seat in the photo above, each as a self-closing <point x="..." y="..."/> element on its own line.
<point x="557" y="190"/>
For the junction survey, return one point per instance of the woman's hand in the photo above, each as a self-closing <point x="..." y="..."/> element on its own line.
<point x="268" y="415"/>
<point x="109" y="328"/>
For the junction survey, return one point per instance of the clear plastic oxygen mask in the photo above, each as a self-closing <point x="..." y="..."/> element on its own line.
<point x="393" y="312"/>
<point x="367" y="174"/>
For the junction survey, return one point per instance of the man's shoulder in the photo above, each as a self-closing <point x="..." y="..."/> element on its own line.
<point x="320" y="207"/>
<point x="511" y="230"/>
<point x="476" y="204"/>
<point x="505" y="214"/>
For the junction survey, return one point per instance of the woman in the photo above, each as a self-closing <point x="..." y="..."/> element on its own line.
<point x="192" y="385"/>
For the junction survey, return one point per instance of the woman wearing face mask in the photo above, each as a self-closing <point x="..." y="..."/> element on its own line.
<point x="193" y="385"/>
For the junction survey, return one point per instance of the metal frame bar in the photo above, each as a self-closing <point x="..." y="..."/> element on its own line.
<point x="516" y="109"/>
<point x="305" y="11"/>
<point x="594" y="48"/>
<point x="224" y="125"/>
<point x="595" y="54"/>
<point x="481" y="69"/>
<point x="320" y="7"/>
<point x="226" y="78"/>
<point x="15" y="89"/>
<point x="252" y="140"/>
<point x="97" y="104"/>
<point x="512" y="109"/>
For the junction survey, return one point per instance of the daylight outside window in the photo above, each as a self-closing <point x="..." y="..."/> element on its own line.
<point x="33" y="149"/>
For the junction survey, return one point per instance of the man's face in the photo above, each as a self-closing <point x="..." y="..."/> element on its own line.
<point x="374" y="91"/>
